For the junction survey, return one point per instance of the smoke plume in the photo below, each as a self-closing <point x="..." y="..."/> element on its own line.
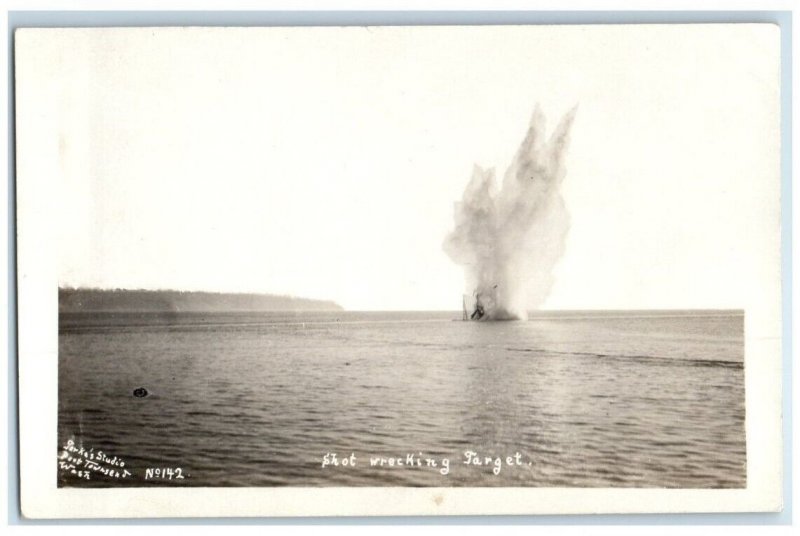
<point x="508" y="241"/>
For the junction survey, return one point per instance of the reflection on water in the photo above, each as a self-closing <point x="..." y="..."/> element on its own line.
<point x="600" y="399"/>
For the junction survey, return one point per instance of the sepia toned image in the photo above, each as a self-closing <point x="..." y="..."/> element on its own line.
<point x="464" y="258"/>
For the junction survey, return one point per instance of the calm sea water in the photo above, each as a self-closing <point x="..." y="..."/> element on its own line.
<point x="635" y="399"/>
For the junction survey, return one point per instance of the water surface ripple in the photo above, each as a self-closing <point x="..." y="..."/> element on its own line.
<point x="257" y="399"/>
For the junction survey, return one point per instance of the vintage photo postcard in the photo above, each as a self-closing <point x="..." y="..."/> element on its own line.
<point x="434" y="270"/>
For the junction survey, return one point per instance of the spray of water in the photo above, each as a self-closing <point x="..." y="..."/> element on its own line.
<point x="508" y="241"/>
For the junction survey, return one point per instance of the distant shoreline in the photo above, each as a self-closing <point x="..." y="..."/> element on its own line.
<point x="137" y="300"/>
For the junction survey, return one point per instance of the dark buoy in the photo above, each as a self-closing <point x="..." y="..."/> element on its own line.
<point x="140" y="392"/>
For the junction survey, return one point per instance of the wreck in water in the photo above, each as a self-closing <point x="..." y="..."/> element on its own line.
<point x="477" y="306"/>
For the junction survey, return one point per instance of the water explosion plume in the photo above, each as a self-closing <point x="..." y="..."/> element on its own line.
<point x="508" y="241"/>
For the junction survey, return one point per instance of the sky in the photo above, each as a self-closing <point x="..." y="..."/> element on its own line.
<point x="324" y="163"/>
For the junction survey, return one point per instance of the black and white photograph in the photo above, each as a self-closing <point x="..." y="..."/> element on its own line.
<point x="421" y="260"/>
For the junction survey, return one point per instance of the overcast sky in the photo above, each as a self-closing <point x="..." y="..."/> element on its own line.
<point x="325" y="163"/>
